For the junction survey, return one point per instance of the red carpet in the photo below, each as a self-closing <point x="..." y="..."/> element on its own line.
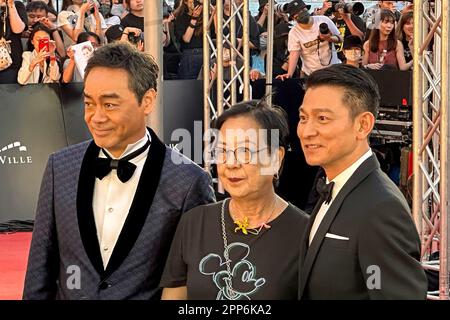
<point x="13" y="263"/>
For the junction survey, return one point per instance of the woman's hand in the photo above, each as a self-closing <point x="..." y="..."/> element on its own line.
<point x="10" y="3"/>
<point x="255" y="75"/>
<point x="374" y="66"/>
<point x="169" y="19"/>
<point x="137" y="32"/>
<point x="96" y="13"/>
<point x="40" y="58"/>
<point x="70" y="53"/>
<point x="197" y="11"/>
<point x="51" y="47"/>
<point x="46" y="22"/>
<point x="266" y="9"/>
<point x="411" y="44"/>
<point x="283" y="77"/>
<point x="85" y="7"/>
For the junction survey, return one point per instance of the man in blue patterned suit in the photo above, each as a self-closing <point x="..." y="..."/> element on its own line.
<point x="108" y="208"/>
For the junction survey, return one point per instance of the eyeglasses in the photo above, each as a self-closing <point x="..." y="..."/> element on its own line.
<point x="242" y="155"/>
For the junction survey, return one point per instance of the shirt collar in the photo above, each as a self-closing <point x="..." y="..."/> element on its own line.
<point x="341" y="179"/>
<point x="131" y="147"/>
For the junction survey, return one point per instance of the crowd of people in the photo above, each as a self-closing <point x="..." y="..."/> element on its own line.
<point x="40" y="40"/>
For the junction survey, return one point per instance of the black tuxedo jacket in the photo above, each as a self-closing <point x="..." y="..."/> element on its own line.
<point x="366" y="246"/>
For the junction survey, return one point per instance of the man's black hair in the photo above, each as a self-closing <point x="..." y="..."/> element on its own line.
<point x="84" y="36"/>
<point x="37" y="5"/>
<point x="361" y="92"/>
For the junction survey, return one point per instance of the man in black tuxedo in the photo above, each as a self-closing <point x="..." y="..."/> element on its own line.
<point x="361" y="242"/>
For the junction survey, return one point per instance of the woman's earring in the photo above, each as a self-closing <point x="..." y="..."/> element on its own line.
<point x="277" y="176"/>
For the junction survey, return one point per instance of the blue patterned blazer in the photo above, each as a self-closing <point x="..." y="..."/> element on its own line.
<point x="65" y="260"/>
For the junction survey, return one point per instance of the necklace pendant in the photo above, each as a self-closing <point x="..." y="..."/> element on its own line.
<point x="242" y="225"/>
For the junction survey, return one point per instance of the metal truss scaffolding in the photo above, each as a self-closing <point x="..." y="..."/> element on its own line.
<point x="238" y="83"/>
<point x="431" y="133"/>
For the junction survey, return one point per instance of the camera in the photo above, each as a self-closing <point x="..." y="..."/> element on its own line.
<point x="357" y="8"/>
<point x="323" y="28"/>
<point x="330" y="11"/>
<point x="280" y="7"/>
<point x="133" y="38"/>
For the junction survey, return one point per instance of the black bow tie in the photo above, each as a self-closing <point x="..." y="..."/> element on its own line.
<point x="325" y="190"/>
<point x="125" y="169"/>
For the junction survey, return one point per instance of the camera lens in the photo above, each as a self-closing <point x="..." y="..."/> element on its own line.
<point x="323" y="28"/>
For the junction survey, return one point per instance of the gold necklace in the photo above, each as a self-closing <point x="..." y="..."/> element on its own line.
<point x="243" y="224"/>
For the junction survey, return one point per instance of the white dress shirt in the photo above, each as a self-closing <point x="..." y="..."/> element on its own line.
<point x="112" y="200"/>
<point x="339" y="182"/>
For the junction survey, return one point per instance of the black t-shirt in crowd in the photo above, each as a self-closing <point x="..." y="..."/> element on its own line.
<point x="253" y="32"/>
<point x="345" y="31"/>
<point x="181" y="24"/>
<point x="263" y="266"/>
<point x="407" y="51"/>
<point x="130" y="20"/>
<point x="15" y="38"/>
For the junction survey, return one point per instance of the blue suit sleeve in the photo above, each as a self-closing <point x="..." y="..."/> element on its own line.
<point x="200" y="192"/>
<point x="43" y="262"/>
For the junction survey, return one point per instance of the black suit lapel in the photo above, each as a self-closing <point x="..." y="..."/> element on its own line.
<point x="85" y="212"/>
<point x="145" y="192"/>
<point x="137" y="215"/>
<point x="360" y="174"/>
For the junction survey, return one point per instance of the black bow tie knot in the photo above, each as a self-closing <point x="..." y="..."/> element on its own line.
<point x="125" y="169"/>
<point x="325" y="190"/>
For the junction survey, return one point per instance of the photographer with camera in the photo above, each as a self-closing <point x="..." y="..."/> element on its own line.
<point x="13" y="21"/>
<point x="345" y="16"/>
<point x="311" y="40"/>
<point x="279" y="14"/>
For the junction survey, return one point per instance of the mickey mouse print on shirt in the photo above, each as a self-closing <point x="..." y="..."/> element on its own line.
<point x="242" y="276"/>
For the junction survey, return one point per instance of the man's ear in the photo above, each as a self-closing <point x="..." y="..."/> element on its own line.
<point x="149" y="101"/>
<point x="364" y="125"/>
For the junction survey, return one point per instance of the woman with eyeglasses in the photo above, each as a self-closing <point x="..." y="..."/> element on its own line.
<point x="247" y="246"/>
